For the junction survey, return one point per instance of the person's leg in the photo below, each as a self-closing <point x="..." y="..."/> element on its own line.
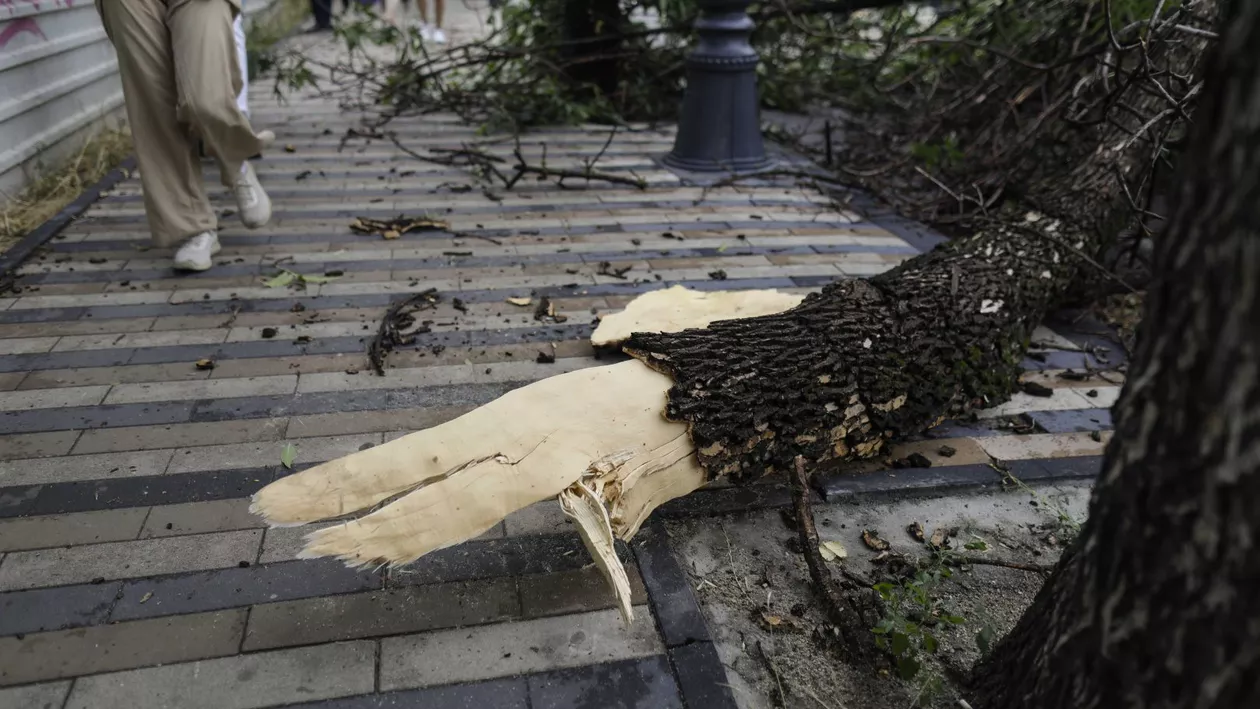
<point x="439" y="12"/>
<point x="208" y="80"/>
<point x="175" y="200"/>
<point x="322" y="10"/>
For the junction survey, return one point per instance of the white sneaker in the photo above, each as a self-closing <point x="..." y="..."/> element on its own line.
<point x="251" y="200"/>
<point x="197" y="253"/>
<point x="437" y="35"/>
<point x="426" y="31"/>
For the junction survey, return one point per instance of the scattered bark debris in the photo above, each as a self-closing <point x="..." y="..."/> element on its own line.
<point x="606" y="269"/>
<point x="546" y="312"/>
<point x="302" y="175"/>
<point x="1036" y="389"/>
<point x="915" y="530"/>
<point x="947" y="451"/>
<point x="871" y="538"/>
<point x="545" y="358"/>
<point x="459" y="305"/>
<point x="205" y="365"/>
<point x="520" y="301"/>
<point x="297" y="308"/>
<point x="718" y="275"/>
<point x="914" y="460"/>
<point x="394" y="228"/>
<point x="399" y="318"/>
<point x="268" y="333"/>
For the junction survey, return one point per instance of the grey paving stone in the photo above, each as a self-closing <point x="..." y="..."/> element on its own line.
<point x="199" y="517"/>
<point x="56" y="608"/>
<point x="385" y="612"/>
<point x="81" y="417"/>
<point x="51" y="398"/>
<point x="702" y="676"/>
<point x="121" y="560"/>
<point x="37" y="445"/>
<point x="239" y="586"/>
<point x="494" y="694"/>
<point x="646" y="683"/>
<point x="50" y="695"/>
<point x="240" y="682"/>
<point x="84" y="467"/>
<point x="674" y="603"/>
<point x="507" y="649"/>
<point x="65" y="530"/>
<point x="16" y="501"/>
<point x="106" y="648"/>
<point x="540" y="518"/>
<point x="253" y="455"/>
<point x="574" y="592"/>
<point x="209" y="433"/>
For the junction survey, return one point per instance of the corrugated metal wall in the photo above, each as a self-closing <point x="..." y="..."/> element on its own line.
<point x="58" y="82"/>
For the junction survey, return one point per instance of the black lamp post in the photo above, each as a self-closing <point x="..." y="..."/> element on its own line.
<point x="720" y="128"/>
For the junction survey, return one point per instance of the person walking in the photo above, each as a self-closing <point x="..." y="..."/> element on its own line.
<point x="181" y="79"/>
<point x="431" y="32"/>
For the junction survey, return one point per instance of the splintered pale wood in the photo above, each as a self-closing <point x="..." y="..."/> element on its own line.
<point x="587" y="509"/>
<point x="679" y="308"/>
<point x="453" y="482"/>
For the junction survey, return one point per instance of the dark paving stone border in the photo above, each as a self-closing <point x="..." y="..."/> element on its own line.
<point x="693" y="657"/>
<point x="85" y="604"/>
<point x="19" y="252"/>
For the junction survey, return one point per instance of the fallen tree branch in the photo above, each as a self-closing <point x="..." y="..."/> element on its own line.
<point x="399" y="317"/>
<point x="852" y="607"/>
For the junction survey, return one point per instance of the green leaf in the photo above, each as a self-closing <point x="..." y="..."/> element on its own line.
<point x="907" y="667"/>
<point x="900" y="643"/>
<point x="280" y="280"/>
<point x="955" y="619"/>
<point x="977" y="545"/>
<point x="318" y="279"/>
<point x="287" y="455"/>
<point x="929" y="642"/>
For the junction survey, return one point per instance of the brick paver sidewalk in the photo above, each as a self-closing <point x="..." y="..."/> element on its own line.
<point x="132" y="574"/>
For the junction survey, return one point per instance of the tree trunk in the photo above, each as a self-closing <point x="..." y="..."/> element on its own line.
<point x="1158" y="603"/>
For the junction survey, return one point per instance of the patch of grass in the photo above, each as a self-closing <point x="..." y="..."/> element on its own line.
<point x="59" y="186"/>
<point x="268" y="29"/>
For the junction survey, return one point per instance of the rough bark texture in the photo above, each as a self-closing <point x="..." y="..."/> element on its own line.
<point x="863" y="362"/>
<point x="1158" y="605"/>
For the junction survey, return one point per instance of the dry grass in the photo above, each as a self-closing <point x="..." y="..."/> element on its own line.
<point x="1123" y="312"/>
<point x="55" y="188"/>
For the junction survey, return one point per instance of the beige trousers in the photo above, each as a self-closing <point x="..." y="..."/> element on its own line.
<point x="180" y="80"/>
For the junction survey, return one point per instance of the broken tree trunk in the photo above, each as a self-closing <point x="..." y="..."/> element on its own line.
<point x="834" y="378"/>
<point x="1157" y="604"/>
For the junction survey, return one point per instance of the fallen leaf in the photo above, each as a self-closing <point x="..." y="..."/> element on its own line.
<point x="916" y="531"/>
<point x="287" y="455"/>
<point x="318" y="279"/>
<point x="146" y="597"/>
<point x="872" y="540"/>
<point x="832" y="550"/>
<point x="205" y="364"/>
<point x="280" y="280"/>
<point x="290" y="149"/>
<point x="770" y="621"/>
<point x="522" y="302"/>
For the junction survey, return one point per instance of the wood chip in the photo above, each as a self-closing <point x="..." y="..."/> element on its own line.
<point x="916" y="531"/>
<point x="521" y="302"/>
<point x="832" y="550"/>
<point x="872" y="540"/>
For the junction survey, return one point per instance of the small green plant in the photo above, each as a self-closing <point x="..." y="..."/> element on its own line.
<point x="1069" y="524"/>
<point x="912" y="617"/>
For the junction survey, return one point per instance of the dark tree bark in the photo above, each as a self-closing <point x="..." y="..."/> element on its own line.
<point x="1158" y="603"/>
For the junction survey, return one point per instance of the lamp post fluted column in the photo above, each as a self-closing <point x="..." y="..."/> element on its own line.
<point x="720" y="127"/>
